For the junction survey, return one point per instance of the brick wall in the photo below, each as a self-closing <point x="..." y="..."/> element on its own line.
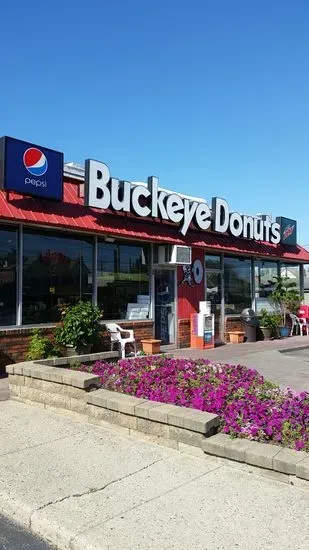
<point x="14" y="343"/>
<point x="183" y="333"/>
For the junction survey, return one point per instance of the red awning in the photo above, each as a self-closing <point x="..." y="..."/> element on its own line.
<point x="72" y="214"/>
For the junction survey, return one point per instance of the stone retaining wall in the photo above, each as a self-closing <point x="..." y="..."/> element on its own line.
<point x="181" y="428"/>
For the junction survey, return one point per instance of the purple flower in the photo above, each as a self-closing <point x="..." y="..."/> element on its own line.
<point x="248" y="405"/>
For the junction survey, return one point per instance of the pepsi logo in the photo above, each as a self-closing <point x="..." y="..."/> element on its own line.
<point x="35" y="161"/>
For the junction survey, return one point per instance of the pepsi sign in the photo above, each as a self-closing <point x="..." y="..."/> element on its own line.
<point x="288" y="231"/>
<point x="30" y="169"/>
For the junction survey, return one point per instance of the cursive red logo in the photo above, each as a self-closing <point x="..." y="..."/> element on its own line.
<point x="288" y="231"/>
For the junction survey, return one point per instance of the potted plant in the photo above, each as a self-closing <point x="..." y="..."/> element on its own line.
<point x="79" y="328"/>
<point x="287" y="299"/>
<point x="269" y="323"/>
<point x="266" y="324"/>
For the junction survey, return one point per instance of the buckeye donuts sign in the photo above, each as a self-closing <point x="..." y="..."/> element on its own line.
<point x="149" y="201"/>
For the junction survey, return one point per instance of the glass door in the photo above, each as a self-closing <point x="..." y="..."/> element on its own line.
<point x="214" y="296"/>
<point x="164" y="300"/>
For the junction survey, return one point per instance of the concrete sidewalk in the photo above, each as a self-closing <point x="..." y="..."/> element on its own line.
<point x="84" y="488"/>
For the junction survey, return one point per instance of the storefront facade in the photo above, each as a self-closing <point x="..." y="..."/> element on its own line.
<point x="92" y="237"/>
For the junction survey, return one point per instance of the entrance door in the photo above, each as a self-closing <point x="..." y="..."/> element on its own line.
<point x="214" y="296"/>
<point x="165" y="314"/>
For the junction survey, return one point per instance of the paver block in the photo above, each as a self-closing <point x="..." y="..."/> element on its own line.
<point x="9" y="369"/>
<point x="142" y="410"/>
<point x="261" y="454"/>
<point x="200" y="421"/>
<point x="33" y="394"/>
<point x="79" y="405"/>
<point x="128" y="421"/>
<point x="56" y="375"/>
<point x="235" y="449"/>
<point x="24" y="368"/>
<point x="80" y="379"/>
<point x="176" y="418"/>
<point x="16" y="380"/>
<point x="186" y="436"/>
<point x="287" y="459"/>
<point x="115" y="401"/>
<point x="58" y="400"/>
<point x="302" y="469"/>
<point x="127" y="403"/>
<point x="153" y="428"/>
<point x="15" y="390"/>
<point x="216" y="444"/>
<point x="100" y="398"/>
<point x="160" y="414"/>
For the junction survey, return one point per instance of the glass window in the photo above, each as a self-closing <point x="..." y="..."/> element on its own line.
<point x="213" y="261"/>
<point x="57" y="271"/>
<point x="292" y="271"/>
<point x="123" y="281"/>
<point x="8" y="247"/>
<point x="237" y="284"/>
<point x="265" y="274"/>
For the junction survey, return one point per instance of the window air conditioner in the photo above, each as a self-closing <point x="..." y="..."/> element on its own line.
<point x="172" y="255"/>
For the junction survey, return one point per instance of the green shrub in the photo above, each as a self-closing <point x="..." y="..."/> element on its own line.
<point x="80" y="325"/>
<point x="269" y="320"/>
<point x="41" y="347"/>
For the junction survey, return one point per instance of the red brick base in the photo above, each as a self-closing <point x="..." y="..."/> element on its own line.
<point x="183" y="333"/>
<point x="14" y="343"/>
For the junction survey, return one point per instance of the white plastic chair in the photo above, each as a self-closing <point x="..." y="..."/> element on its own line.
<point x="296" y="322"/>
<point x="115" y="332"/>
<point x="304" y="324"/>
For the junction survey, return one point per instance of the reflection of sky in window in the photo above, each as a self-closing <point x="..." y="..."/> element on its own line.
<point x="7" y="242"/>
<point x="241" y="268"/>
<point x="36" y="245"/>
<point x="121" y="258"/>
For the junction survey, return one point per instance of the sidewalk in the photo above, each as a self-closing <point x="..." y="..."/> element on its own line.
<point x="86" y="488"/>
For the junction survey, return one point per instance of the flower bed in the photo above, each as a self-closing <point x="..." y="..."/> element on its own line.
<point x="249" y="406"/>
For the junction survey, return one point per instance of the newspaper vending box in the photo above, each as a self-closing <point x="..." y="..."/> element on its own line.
<point x="202" y="331"/>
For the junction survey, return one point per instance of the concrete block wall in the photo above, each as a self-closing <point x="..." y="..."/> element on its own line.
<point x="181" y="428"/>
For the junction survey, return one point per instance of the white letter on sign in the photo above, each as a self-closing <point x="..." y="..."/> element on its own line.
<point x="97" y="177"/>
<point x="221" y="213"/>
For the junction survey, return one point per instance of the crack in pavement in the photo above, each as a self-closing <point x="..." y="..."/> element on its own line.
<point x="90" y="490"/>
<point x="71" y="541"/>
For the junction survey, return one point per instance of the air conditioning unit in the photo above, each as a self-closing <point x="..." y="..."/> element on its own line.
<point x="172" y="255"/>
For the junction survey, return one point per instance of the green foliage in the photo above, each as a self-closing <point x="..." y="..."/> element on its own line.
<point x="269" y="320"/>
<point x="286" y="297"/>
<point x="41" y="347"/>
<point x="80" y="325"/>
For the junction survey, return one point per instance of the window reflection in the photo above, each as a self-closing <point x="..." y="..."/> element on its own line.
<point x="123" y="281"/>
<point x="213" y="261"/>
<point x="57" y="271"/>
<point x="8" y="247"/>
<point x="292" y="271"/>
<point x="265" y="273"/>
<point x="237" y="279"/>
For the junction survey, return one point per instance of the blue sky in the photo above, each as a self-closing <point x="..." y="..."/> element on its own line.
<point x="211" y="96"/>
